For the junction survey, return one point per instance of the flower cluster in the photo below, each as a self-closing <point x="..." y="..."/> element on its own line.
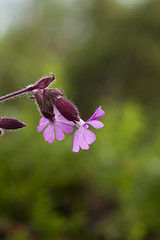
<point x="59" y="115"/>
<point x="82" y="136"/>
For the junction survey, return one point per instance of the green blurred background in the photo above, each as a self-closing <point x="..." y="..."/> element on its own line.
<point x="103" y="52"/>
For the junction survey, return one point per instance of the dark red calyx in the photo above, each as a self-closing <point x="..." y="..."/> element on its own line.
<point x="67" y="109"/>
<point x="11" y="123"/>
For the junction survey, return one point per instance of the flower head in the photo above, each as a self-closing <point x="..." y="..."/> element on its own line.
<point x="58" y="125"/>
<point x="84" y="137"/>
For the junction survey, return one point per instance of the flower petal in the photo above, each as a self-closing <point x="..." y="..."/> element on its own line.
<point x="42" y="125"/>
<point x="48" y="133"/>
<point x="56" y="112"/>
<point x="52" y="136"/>
<point x="65" y="128"/>
<point x="97" y="114"/>
<point x="89" y="136"/>
<point x="40" y="128"/>
<point x="81" y="139"/>
<point x="43" y="120"/>
<point x="76" y="146"/>
<point x="64" y="120"/>
<point x="59" y="134"/>
<point x="95" y="123"/>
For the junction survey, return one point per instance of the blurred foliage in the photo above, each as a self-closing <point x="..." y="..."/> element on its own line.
<point x="122" y="57"/>
<point x="102" y="54"/>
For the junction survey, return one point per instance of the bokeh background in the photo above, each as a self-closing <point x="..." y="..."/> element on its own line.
<point x="103" y="52"/>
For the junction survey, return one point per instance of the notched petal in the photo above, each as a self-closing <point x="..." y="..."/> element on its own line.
<point x="89" y="136"/>
<point x="76" y="146"/>
<point x="59" y="134"/>
<point x="97" y="114"/>
<point x="96" y="124"/>
<point x="48" y="133"/>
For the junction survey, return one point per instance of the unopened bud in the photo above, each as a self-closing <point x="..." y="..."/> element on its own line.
<point x="53" y="93"/>
<point x="38" y="96"/>
<point x="11" y="124"/>
<point x="67" y="109"/>
<point x="44" y="103"/>
<point x="44" y="82"/>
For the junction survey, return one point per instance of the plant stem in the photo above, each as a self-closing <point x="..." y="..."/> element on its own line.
<point x="17" y="93"/>
<point x="41" y="84"/>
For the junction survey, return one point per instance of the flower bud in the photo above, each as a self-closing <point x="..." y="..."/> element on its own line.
<point x="38" y="96"/>
<point x="44" y="103"/>
<point x="11" y="124"/>
<point x="67" y="109"/>
<point x="44" y="82"/>
<point x="53" y="93"/>
<point x="47" y="103"/>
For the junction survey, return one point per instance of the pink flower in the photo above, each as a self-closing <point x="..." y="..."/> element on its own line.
<point x="84" y="137"/>
<point x="57" y="124"/>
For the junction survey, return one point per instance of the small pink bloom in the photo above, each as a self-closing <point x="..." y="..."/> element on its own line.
<point x="84" y="137"/>
<point x="60" y="124"/>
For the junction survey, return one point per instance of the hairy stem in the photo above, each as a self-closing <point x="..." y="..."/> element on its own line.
<point x="17" y="93"/>
<point x="41" y="84"/>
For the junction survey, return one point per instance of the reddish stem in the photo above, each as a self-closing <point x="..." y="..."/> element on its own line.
<point x="14" y="94"/>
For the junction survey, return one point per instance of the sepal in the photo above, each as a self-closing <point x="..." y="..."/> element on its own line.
<point x="67" y="109"/>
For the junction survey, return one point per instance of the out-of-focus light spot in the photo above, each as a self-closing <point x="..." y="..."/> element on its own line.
<point x="10" y="13"/>
<point x="131" y="2"/>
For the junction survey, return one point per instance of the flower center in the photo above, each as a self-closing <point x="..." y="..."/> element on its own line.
<point x="80" y="123"/>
